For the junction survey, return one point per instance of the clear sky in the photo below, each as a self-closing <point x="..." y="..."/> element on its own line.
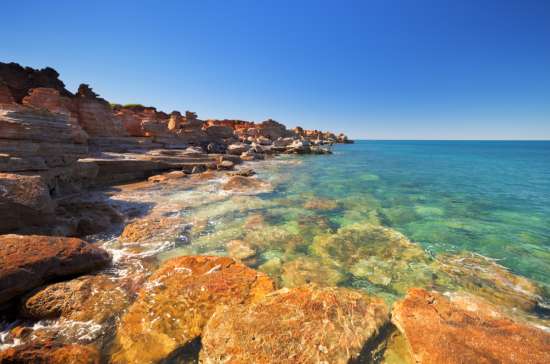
<point x="382" y="69"/>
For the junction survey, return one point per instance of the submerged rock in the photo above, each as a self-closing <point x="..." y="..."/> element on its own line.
<point x="484" y="277"/>
<point x="245" y="184"/>
<point x="240" y="250"/>
<point x="379" y="255"/>
<point x="50" y="353"/>
<point x="443" y="330"/>
<point x="321" y="204"/>
<point x="176" y="302"/>
<point x="154" y="227"/>
<point x="244" y="172"/>
<point x="301" y="325"/>
<point x="306" y="270"/>
<point x="26" y="262"/>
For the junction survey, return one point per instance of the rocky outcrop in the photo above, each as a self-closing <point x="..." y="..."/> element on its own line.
<point x="465" y="329"/>
<point x="28" y="261"/>
<point x="50" y="353"/>
<point x="177" y="300"/>
<point x="19" y="80"/>
<point x="95" y="114"/>
<point x="301" y="325"/>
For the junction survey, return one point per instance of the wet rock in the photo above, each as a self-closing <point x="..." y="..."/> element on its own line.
<point x="251" y="156"/>
<point x="88" y="298"/>
<point x="26" y="262"/>
<point x="246" y="184"/>
<point x="484" y="277"/>
<point x="440" y="330"/>
<point x="306" y="270"/>
<point x="50" y="353"/>
<point x="176" y="302"/>
<point x="240" y="250"/>
<point x="237" y="148"/>
<point x="154" y="228"/>
<point x="301" y="325"/>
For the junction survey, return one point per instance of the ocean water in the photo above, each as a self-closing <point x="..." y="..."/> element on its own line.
<point x="488" y="197"/>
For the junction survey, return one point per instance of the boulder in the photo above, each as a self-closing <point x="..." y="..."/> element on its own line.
<point x="155" y="227"/>
<point x="217" y="148"/>
<point x="176" y="302"/>
<point x="240" y="250"/>
<point x="439" y="329"/>
<point x="302" y="325"/>
<point x="218" y="132"/>
<point x="237" y="148"/>
<point x="50" y="353"/>
<point x="28" y="261"/>
<point x="305" y="270"/>
<point x="226" y="165"/>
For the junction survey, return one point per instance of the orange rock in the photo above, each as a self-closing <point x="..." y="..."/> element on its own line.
<point x="302" y="325"/>
<point x="177" y="300"/>
<point x="50" y="353"/>
<point x="440" y="330"/>
<point x="246" y="184"/>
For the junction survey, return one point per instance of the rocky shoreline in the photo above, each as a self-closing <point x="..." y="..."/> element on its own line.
<point x="65" y="298"/>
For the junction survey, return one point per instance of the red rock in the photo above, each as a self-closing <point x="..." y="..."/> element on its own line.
<point x="246" y="184"/>
<point x="28" y="261"/>
<point x="50" y="353"/>
<point x="5" y="95"/>
<point x="302" y="325"/>
<point x="95" y="114"/>
<point x="440" y="330"/>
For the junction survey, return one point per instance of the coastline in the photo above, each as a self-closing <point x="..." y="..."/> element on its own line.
<point x="140" y="311"/>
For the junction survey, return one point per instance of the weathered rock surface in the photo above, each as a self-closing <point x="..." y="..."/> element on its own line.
<point x="50" y="353"/>
<point x="26" y="262"/>
<point x="176" y="302"/>
<point x="301" y="325"/>
<point x="442" y="330"/>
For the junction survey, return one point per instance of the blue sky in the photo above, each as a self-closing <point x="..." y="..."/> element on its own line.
<point x="384" y="69"/>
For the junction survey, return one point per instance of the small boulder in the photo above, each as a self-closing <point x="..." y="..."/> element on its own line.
<point x="244" y="172"/>
<point x="237" y="148"/>
<point x="226" y="165"/>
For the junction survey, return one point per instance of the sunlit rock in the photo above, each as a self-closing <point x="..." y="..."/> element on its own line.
<point x="50" y="353"/>
<point x="442" y="330"/>
<point x="176" y="302"/>
<point x="302" y="325"/>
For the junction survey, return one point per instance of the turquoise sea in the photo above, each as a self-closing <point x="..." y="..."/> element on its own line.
<point x="380" y="216"/>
